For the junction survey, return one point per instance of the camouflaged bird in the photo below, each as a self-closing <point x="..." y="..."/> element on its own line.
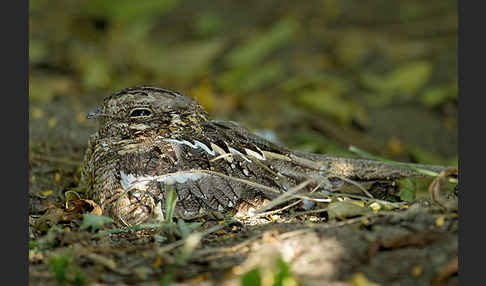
<point x="151" y="140"/>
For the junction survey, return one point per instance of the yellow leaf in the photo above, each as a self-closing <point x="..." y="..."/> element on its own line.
<point x="358" y="203"/>
<point x="51" y="122"/>
<point x="365" y="221"/>
<point x="157" y="262"/>
<point x="205" y="95"/>
<point x="47" y="193"/>
<point x="388" y="207"/>
<point x="417" y="271"/>
<point x="394" y="146"/>
<point x="359" y="279"/>
<point x="37" y="113"/>
<point x="439" y="221"/>
<point x="375" y="207"/>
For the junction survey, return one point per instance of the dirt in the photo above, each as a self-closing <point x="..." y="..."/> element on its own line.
<point x="378" y="75"/>
<point x="416" y="245"/>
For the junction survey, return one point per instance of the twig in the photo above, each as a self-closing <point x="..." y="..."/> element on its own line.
<point x="275" y="211"/>
<point x="410" y="166"/>
<point x="309" y="212"/>
<point x="233" y="248"/>
<point x="364" y="198"/>
<point x="181" y="242"/>
<point x="287" y="206"/>
<point x="55" y="160"/>
<point x="285" y="196"/>
<point x="128" y="228"/>
<point x="356" y="184"/>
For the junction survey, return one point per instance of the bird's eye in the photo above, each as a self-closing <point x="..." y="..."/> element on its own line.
<point x="140" y="112"/>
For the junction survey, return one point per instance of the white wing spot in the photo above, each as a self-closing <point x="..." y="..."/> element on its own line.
<point x="129" y="181"/>
<point x="255" y="154"/>
<point x="196" y="145"/>
<point x="245" y="171"/>
<point x="234" y="151"/>
<point x="216" y="149"/>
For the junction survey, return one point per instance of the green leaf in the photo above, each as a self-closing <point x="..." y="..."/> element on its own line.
<point x="183" y="62"/>
<point x="128" y="228"/>
<point x="282" y="274"/>
<point x="407" y="189"/>
<point x="408" y="79"/>
<point x="160" y="238"/>
<point x="317" y="80"/>
<point x="208" y="23"/>
<point x="94" y="221"/>
<point x="437" y="95"/>
<point x="246" y="79"/>
<point x="170" y="203"/>
<point x="49" y="240"/>
<point x="183" y="229"/>
<point x="251" y="278"/>
<point x="345" y="209"/>
<point x="125" y="12"/>
<point x="79" y="278"/>
<point x="33" y="244"/>
<point x="59" y="266"/>
<point x="328" y="102"/>
<point x="37" y="51"/>
<point x="167" y="279"/>
<point x="255" y="49"/>
<point x="96" y="74"/>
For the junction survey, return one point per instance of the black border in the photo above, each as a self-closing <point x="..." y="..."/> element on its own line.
<point x="14" y="25"/>
<point x="471" y="187"/>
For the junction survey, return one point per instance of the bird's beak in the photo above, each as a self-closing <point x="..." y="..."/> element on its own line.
<point x="93" y="114"/>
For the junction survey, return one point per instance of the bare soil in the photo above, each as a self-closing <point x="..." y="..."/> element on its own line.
<point x="413" y="246"/>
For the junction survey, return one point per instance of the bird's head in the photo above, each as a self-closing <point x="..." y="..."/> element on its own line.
<point x="143" y="110"/>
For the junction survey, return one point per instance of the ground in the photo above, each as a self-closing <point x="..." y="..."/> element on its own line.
<point x="413" y="245"/>
<point x="319" y="77"/>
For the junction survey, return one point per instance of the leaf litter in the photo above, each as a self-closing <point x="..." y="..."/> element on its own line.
<point x="286" y="244"/>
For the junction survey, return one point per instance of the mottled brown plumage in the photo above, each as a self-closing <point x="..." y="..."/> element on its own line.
<point x="150" y="140"/>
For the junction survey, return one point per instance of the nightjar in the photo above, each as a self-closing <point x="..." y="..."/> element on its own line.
<point x="151" y="140"/>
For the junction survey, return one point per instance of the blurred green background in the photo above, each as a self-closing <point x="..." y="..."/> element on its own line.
<point x="321" y="74"/>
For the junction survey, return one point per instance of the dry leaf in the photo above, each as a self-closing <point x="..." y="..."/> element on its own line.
<point x="438" y="186"/>
<point x="53" y="214"/>
<point x="84" y="206"/>
<point x="450" y="269"/>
